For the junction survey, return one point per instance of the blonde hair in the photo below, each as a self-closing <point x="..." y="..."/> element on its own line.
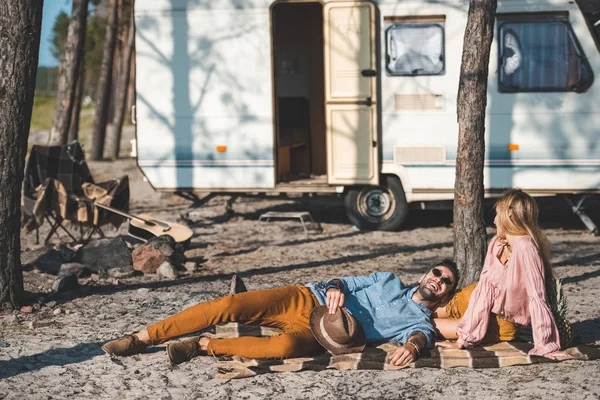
<point x="517" y="214"/>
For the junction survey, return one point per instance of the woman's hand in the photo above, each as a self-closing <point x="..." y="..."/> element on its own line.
<point x="447" y="344"/>
<point x="558" y="356"/>
<point x="335" y="299"/>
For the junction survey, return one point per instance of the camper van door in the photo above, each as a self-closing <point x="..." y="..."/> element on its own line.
<point x="351" y="93"/>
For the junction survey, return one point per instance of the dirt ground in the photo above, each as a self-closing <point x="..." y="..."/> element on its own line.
<point x="53" y="354"/>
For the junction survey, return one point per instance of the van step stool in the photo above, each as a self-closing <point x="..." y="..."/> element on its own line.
<point x="301" y="215"/>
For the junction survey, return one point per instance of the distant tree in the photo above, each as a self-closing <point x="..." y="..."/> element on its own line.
<point x="469" y="225"/>
<point x="94" y="44"/>
<point x="20" y="24"/>
<point x="113" y="137"/>
<point x="59" y="34"/>
<point x="70" y="61"/>
<point x="104" y="83"/>
<point x="94" y="48"/>
<point x="77" y="100"/>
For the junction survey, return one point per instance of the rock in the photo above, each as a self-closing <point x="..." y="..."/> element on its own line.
<point x="178" y="258"/>
<point x="191" y="266"/>
<point x="76" y="269"/>
<point x="27" y="309"/>
<point x="45" y="259"/>
<point x="57" y="311"/>
<point x="15" y="320"/>
<point x="166" y="271"/>
<point x="122" y="272"/>
<point x="50" y="304"/>
<point x="65" y="283"/>
<point x="31" y="325"/>
<point x="37" y="307"/>
<point x="143" y="290"/>
<point x="4" y="344"/>
<point x="103" y="254"/>
<point x="66" y="253"/>
<point x="237" y="285"/>
<point x="165" y="244"/>
<point x="147" y="259"/>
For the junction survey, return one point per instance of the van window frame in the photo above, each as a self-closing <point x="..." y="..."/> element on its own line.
<point x="393" y="23"/>
<point x="540" y="18"/>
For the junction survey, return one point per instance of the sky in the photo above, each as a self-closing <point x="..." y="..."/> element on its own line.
<point x="51" y="10"/>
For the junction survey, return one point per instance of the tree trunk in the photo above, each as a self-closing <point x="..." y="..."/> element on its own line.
<point x="104" y="84"/>
<point x="20" y="24"/>
<point x="469" y="225"/>
<point x="114" y="139"/>
<point x="76" y="113"/>
<point x="69" y="69"/>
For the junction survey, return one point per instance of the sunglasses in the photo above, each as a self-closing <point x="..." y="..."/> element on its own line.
<point x="437" y="273"/>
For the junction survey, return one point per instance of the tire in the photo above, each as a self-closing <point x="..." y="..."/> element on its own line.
<point x="381" y="207"/>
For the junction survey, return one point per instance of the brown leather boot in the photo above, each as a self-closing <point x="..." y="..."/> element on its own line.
<point x="125" y="346"/>
<point x="185" y="350"/>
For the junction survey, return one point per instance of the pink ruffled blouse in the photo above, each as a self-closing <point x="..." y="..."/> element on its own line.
<point x="515" y="292"/>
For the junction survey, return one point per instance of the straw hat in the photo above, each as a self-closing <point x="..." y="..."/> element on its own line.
<point x="339" y="333"/>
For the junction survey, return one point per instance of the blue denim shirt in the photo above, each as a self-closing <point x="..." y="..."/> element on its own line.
<point x="383" y="306"/>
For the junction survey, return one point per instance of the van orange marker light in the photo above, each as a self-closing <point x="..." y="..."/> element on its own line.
<point x="512" y="146"/>
<point x="221" y="149"/>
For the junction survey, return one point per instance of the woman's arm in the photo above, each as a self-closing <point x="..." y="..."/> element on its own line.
<point x="473" y="325"/>
<point x="545" y="332"/>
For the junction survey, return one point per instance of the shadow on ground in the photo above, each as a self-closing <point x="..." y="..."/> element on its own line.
<point x="52" y="357"/>
<point x="555" y="213"/>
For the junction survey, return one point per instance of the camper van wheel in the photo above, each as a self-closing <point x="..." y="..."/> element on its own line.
<point x="377" y="207"/>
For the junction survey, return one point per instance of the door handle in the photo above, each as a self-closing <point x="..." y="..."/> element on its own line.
<point x="369" y="73"/>
<point x="369" y="102"/>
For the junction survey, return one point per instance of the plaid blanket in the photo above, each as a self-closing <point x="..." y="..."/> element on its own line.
<point x="503" y="354"/>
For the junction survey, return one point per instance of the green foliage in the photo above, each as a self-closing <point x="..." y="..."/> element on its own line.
<point x="558" y="305"/>
<point x="59" y="34"/>
<point x="94" y="42"/>
<point x="43" y="114"/>
<point x="46" y="81"/>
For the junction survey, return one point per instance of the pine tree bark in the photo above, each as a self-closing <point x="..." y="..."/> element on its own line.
<point x="114" y="135"/>
<point x="469" y="225"/>
<point x="76" y="113"/>
<point x="71" y="58"/>
<point x="104" y="84"/>
<point x="20" y="24"/>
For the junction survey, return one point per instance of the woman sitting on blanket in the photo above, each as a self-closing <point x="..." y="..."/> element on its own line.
<point x="511" y="290"/>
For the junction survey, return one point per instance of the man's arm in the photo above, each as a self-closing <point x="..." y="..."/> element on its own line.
<point x="409" y="351"/>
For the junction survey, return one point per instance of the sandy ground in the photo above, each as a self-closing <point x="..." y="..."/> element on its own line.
<point x="58" y="356"/>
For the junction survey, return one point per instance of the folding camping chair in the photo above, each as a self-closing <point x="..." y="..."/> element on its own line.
<point x="59" y="188"/>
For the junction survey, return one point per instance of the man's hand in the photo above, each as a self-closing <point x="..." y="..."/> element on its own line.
<point x="446" y="344"/>
<point x="403" y="355"/>
<point x="335" y="299"/>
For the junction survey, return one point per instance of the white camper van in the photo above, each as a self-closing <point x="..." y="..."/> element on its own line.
<point x="359" y="98"/>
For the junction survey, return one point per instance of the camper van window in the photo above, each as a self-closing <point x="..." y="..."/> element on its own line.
<point x="541" y="56"/>
<point x="415" y="48"/>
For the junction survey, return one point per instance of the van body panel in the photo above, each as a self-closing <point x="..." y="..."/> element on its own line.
<point x="205" y="81"/>
<point x="204" y="119"/>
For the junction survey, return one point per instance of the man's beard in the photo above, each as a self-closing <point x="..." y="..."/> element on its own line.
<point x="427" y="294"/>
